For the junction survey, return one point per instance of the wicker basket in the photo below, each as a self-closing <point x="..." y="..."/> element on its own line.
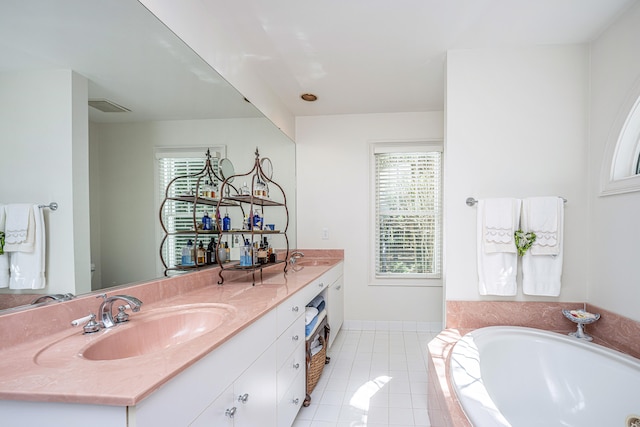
<point x="316" y="365"/>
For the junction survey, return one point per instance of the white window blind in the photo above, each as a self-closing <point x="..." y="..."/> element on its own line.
<point x="178" y="216"/>
<point x="407" y="212"/>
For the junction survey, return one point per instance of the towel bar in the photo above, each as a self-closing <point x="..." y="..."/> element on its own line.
<point x="471" y="201"/>
<point x="53" y="206"/>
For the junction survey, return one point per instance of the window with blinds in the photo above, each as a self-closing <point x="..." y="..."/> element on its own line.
<point x="179" y="215"/>
<point x="408" y="194"/>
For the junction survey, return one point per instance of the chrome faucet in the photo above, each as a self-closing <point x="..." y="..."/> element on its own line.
<point x="105" y="310"/>
<point x="54" y="297"/>
<point x="295" y="256"/>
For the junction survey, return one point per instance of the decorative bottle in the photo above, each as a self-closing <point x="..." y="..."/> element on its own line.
<point x="211" y="251"/>
<point x="186" y="254"/>
<point x="201" y="254"/>
<point x="206" y="221"/>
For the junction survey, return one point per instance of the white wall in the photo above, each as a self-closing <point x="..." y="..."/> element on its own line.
<point x="43" y="117"/>
<point x="614" y="226"/>
<point x="333" y="193"/>
<point x="127" y="188"/>
<point x="516" y="127"/>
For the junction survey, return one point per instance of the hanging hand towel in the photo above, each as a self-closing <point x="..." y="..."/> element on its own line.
<point x="27" y="269"/>
<point x="19" y="228"/>
<point x="4" y="258"/>
<point x="542" y="264"/>
<point x="543" y="216"/>
<point x="497" y="255"/>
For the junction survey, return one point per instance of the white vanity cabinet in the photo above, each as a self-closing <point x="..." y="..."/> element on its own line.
<point x="244" y="364"/>
<point x="290" y="382"/>
<point x="249" y="402"/>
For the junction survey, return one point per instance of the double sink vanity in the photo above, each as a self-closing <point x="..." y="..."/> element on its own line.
<point x="196" y="353"/>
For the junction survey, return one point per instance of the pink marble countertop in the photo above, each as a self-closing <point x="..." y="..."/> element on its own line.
<point x="24" y="375"/>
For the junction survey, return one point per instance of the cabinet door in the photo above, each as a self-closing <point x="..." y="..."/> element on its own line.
<point x="255" y="393"/>
<point x="291" y="402"/>
<point x="220" y="413"/>
<point x="335" y="307"/>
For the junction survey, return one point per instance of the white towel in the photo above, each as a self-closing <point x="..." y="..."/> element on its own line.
<point x="309" y="314"/>
<point x="542" y="216"/>
<point x="27" y="269"/>
<point x="501" y="217"/>
<point x="542" y="268"/>
<point x="19" y="228"/>
<point x="497" y="271"/>
<point x="4" y="258"/>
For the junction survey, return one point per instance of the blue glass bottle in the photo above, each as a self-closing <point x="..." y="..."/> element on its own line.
<point x="226" y="222"/>
<point x="206" y="221"/>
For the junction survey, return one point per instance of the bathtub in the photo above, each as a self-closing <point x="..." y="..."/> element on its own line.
<point x="524" y="377"/>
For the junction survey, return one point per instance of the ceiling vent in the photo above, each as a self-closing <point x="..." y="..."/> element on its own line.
<point x="107" y="106"/>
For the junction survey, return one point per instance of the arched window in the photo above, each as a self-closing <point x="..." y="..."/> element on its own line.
<point x="621" y="170"/>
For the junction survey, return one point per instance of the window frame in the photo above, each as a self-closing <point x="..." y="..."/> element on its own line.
<point x="622" y="152"/>
<point x="410" y="280"/>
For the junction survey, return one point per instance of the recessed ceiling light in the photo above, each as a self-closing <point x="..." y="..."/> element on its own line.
<point x="308" y="97"/>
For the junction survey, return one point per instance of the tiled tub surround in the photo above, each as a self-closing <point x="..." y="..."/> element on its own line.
<point x="611" y="330"/>
<point x="25" y="332"/>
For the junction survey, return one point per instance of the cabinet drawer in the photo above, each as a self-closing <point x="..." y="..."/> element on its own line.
<point x="290" y="340"/>
<point x="290" y="310"/>
<point x="294" y="365"/>
<point x="291" y="402"/>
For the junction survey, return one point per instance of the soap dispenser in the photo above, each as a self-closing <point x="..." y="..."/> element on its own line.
<point x="187" y="258"/>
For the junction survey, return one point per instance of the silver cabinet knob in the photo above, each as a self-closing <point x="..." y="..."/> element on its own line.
<point x="230" y="412"/>
<point x="321" y="284"/>
<point x="243" y="398"/>
<point x="296" y="401"/>
<point x="295" y="309"/>
<point x="296" y="366"/>
<point x="295" y="338"/>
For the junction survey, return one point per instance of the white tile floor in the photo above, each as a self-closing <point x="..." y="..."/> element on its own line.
<point x="374" y="379"/>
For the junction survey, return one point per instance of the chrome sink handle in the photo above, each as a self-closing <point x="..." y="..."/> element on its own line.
<point x="90" y="327"/>
<point x="106" y="307"/>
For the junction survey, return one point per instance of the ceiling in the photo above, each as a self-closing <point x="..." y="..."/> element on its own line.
<point x="367" y="56"/>
<point x="357" y="56"/>
<point x="128" y="56"/>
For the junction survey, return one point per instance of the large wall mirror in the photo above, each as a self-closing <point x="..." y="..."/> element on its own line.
<point x="100" y="167"/>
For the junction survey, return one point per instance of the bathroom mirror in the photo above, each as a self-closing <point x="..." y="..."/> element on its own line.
<point x="105" y="179"/>
<point x="226" y="169"/>
<point x="267" y="167"/>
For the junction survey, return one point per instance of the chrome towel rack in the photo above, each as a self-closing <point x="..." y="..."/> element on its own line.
<point x="53" y="206"/>
<point x="472" y="202"/>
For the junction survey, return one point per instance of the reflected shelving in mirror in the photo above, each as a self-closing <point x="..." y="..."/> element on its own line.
<point x="186" y="104"/>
